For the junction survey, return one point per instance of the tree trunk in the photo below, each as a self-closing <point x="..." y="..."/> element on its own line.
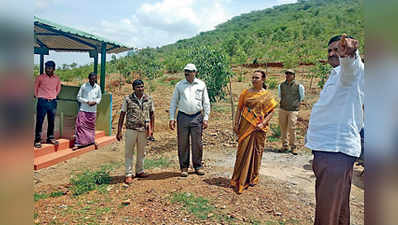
<point x="120" y="82"/>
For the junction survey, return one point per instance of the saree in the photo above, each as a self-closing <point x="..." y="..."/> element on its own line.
<point x="254" y="107"/>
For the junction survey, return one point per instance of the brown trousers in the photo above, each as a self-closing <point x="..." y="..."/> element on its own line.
<point x="333" y="172"/>
<point x="287" y="123"/>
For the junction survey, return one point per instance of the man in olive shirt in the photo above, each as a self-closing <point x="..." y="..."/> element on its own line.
<point x="137" y="108"/>
<point x="291" y="94"/>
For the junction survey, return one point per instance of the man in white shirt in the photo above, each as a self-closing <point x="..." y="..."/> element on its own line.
<point x="333" y="131"/>
<point x="291" y="94"/>
<point x="191" y="98"/>
<point x="89" y="97"/>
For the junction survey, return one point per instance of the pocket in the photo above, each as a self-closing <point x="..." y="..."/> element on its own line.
<point x="198" y="94"/>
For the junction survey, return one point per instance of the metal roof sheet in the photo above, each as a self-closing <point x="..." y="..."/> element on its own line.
<point x="62" y="38"/>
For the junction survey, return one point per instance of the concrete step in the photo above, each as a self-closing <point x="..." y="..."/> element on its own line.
<point x="49" y="148"/>
<point x="63" y="144"/>
<point x="53" y="158"/>
<point x="99" y="134"/>
<point x="103" y="141"/>
<point x="57" y="157"/>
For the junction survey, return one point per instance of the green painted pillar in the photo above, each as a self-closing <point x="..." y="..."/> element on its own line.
<point x="61" y="124"/>
<point x="103" y="62"/>
<point x="41" y="63"/>
<point x="94" y="54"/>
<point x="96" y="64"/>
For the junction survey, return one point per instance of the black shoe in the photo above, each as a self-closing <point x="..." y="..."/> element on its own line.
<point x="52" y="141"/>
<point x="282" y="150"/>
<point x="151" y="138"/>
<point x="37" y="145"/>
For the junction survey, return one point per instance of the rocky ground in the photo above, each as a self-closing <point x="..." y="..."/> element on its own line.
<point x="285" y="194"/>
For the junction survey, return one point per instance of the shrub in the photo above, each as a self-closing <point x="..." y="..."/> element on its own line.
<point x="88" y="180"/>
<point x="272" y="83"/>
<point x="198" y="206"/>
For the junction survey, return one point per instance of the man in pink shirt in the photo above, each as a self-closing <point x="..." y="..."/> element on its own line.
<point x="47" y="87"/>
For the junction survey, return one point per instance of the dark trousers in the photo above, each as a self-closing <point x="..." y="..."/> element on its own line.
<point x="333" y="172"/>
<point x="189" y="126"/>
<point x="45" y="107"/>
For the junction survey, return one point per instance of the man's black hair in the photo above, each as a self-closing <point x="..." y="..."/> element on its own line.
<point x="137" y="82"/>
<point x="337" y="38"/>
<point x="50" y="64"/>
<point x="91" y="74"/>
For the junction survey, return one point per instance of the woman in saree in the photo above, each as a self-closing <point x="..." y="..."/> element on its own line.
<point x="254" y="111"/>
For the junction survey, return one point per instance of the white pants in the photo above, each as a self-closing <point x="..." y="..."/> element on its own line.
<point x="134" y="138"/>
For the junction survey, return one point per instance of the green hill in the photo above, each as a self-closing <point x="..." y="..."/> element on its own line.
<point x="289" y="33"/>
<point x="282" y="33"/>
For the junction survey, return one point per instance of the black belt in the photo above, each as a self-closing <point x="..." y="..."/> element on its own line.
<point x="191" y="115"/>
<point x="48" y="100"/>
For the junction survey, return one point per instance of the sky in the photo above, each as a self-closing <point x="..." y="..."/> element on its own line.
<point x="142" y="23"/>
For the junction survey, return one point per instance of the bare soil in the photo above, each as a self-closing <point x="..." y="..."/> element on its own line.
<point x="285" y="194"/>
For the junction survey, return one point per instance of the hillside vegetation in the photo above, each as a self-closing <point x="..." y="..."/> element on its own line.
<point x="289" y="33"/>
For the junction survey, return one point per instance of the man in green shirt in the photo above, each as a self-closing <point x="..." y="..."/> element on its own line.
<point x="291" y="94"/>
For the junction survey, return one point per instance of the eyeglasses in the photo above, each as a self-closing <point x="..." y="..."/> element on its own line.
<point x="189" y="71"/>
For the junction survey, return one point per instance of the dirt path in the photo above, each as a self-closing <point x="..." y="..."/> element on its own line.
<point x="285" y="194"/>
<point x="296" y="173"/>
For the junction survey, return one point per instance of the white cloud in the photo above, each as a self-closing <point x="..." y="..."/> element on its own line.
<point x="153" y="24"/>
<point x="281" y="2"/>
<point x="164" y="22"/>
<point x="41" y="5"/>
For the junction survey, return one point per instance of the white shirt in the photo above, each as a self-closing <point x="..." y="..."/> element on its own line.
<point x="337" y="117"/>
<point x="88" y="93"/>
<point x="301" y="92"/>
<point x="190" y="98"/>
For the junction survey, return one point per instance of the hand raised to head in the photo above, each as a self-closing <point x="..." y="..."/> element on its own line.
<point x="347" y="46"/>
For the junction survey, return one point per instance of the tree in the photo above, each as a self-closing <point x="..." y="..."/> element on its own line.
<point x="148" y="66"/>
<point x="73" y="65"/>
<point x="214" y="68"/>
<point x="230" y="46"/>
<point x="240" y="58"/>
<point x="321" y="71"/>
<point x="36" y="70"/>
<point x="65" y="66"/>
<point x="290" y="61"/>
<point x="123" y="70"/>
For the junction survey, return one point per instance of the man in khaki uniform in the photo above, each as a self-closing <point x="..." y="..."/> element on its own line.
<point x="137" y="108"/>
<point x="291" y="94"/>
